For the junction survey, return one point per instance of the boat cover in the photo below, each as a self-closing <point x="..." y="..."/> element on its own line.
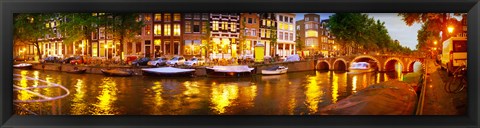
<point x="388" y="98"/>
<point x="273" y="68"/>
<point x="167" y="70"/>
<point x="241" y="68"/>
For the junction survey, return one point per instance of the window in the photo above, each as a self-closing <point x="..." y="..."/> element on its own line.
<point x="188" y="15"/>
<point x="176" y="31"/>
<point x="158" y="17"/>
<point x="147" y="29"/>
<point x="215" y="25"/>
<point x="166" y="30"/>
<point x="167" y="17"/>
<point x="204" y="27"/>
<point x="188" y="47"/>
<point x="225" y="25"/>
<point x="291" y="20"/>
<point x="244" y="19"/>
<point x="263" y="33"/>
<point x="196" y="16"/>
<point x="157" y="42"/>
<point x="196" y="26"/>
<point x="285" y="26"/>
<point x="246" y="32"/>
<point x="268" y="33"/>
<point x="188" y="26"/>
<point x="268" y="23"/>
<point x="263" y="22"/>
<point x="281" y="18"/>
<point x="286" y="19"/>
<point x="157" y="29"/>
<point x="205" y="16"/>
<point x="290" y="27"/>
<point x="291" y="36"/>
<point x="148" y="17"/>
<point x="233" y="27"/>
<point x="250" y="20"/>
<point x="298" y="27"/>
<point x="311" y="33"/>
<point x="48" y="25"/>
<point x="176" y="17"/>
<point x="280" y="36"/>
<point x="316" y="18"/>
<point x="254" y="32"/>
<point x="280" y="25"/>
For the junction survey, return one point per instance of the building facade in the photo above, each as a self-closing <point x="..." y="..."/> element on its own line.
<point x="268" y="28"/>
<point x="286" y="34"/>
<point x="309" y="29"/>
<point x="195" y="28"/>
<point x="224" y="31"/>
<point x="250" y="25"/>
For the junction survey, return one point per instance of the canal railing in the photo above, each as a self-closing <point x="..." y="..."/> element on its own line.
<point x="422" y="85"/>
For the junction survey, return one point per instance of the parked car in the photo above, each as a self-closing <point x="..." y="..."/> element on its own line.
<point x="195" y="61"/>
<point x="66" y="60"/>
<point x="19" y="58"/>
<point x="159" y="61"/>
<point x="141" y="61"/>
<point x="51" y="59"/>
<point x="80" y="60"/>
<point x="177" y="60"/>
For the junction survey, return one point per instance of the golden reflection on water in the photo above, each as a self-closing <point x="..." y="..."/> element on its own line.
<point x="191" y="88"/>
<point x="354" y="84"/>
<point x="248" y="95"/>
<point x="223" y="96"/>
<point x="79" y="105"/>
<point x="157" y="97"/>
<point x="313" y="93"/>
<point x="334" y="88"/>
<point x="22" y="94"/>
<point x="107" y="97"/>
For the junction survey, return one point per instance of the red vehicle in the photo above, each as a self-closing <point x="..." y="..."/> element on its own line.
<point x="80" y="60"/>
<point x="130" y="59"/>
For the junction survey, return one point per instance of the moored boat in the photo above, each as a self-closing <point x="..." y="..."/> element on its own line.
<point x="275" y="70"/>
<point x="360" y="67"/>
<point x="229" y="71"/>
<point x="23" y="66"/>
<point x="77" y="71"/>
<point x="116" y="72"/>
<point x="168" y="71"/>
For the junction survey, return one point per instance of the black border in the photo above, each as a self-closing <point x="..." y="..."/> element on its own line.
<point x="8" y="7"/>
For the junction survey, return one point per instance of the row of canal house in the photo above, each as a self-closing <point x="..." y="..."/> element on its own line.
<point x="316" y="35"/>
<point x="169" y="34"/>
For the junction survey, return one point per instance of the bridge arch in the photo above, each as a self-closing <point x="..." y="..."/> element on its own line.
<point x="411" y="64"/>
<point x="323" y="65"/>
<point x="340" y="64"/>
<point x="377" y="62"/>
<point x="389" y="64"/>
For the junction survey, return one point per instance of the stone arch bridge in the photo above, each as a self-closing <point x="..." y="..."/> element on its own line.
<point x="385" y="63"/>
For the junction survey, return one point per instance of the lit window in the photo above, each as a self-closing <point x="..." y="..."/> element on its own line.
<point x="148" y="17"/>
<point x="157" y="29"/>
<point x="233" y="27"/>
<point x="285" y="26"/>
<point x="176" y="31"/>
<point x="215" y="25"/>
<point x="268" y="23"/>
<point x="157" y="42"/>
<point x="147" y="29"/>
<point x="188" y="26"/>
<point x="290" y="27"/>
<point x="166" y="30"/>
<point x="268" y="33"/>
<point x="225" y="26"/>
<point x="263" y="22"/>
<point x="204" y="27"/>
<point x="167" y="17"/>
<point x="280" y="25"/>
<point x="311" y="33"/>
<point x="48" y="25"/>
<point x="176" y="17"/>
<point x="263" y="32"/>
<point x="158" y="17"/>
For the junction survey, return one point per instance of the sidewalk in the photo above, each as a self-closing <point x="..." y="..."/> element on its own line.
<point x="437" y="100"/>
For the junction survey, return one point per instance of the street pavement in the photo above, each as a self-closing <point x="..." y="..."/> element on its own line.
<point x="437" y="100"/>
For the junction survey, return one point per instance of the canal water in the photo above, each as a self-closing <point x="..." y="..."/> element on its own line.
<point x="296" y="93"/>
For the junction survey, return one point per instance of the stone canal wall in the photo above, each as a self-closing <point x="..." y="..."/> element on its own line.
<point x="200" y="71"/>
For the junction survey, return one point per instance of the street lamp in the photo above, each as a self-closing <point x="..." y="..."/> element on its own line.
<point x="450" y="29"/>
<point x="435" y="42"/>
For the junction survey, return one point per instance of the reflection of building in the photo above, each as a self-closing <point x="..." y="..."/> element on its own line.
<point x="225" y="33"/>
<point x="268" y="26"/>
<point x="195" y="27"/>
<point x="251" y="23"/>
<point x="308" y="28"/>
<point x="286" y="34"/>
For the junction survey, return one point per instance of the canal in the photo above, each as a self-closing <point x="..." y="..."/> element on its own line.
<point x="296" y="93"/>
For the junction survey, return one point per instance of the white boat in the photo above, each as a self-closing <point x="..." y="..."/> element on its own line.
<point x="168" y="71"/>
<point x="275" y="70"/>
<point x="360" y="67"/>
<point x="23" y="66"/>
<point x="229" y="71"/>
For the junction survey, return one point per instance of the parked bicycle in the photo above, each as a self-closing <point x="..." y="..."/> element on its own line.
<point x="458" y="82"/>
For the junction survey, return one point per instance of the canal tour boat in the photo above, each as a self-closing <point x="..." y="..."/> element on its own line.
<point x="77" y="71"/>
<point x="116" y="72"/>
<point x="168" y="71"/>
<point x="229" y="71"/>
<point x="275" y="70"/>
<point x="360" y="67"/>
<point x="23" y="66"/>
